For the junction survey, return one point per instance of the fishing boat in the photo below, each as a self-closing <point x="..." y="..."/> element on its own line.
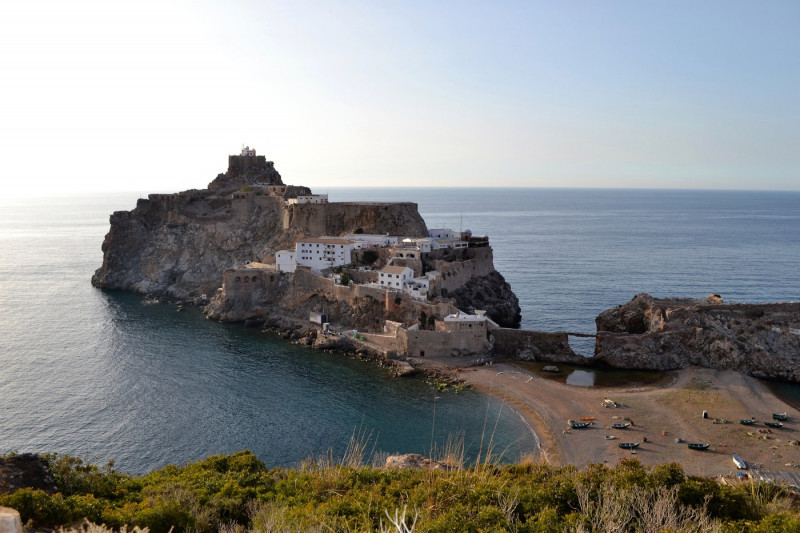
<point x="747" y="422"/>
<point x="585" y="418"/>
<point x="610" y="437"/>
<point x="628" y="445"/>
<point x="697" y="446"/>
<point x="579" y="425"/>
<point x="739" y="462"/>
<point x="773" y="424"/>
<point x="780" y="416"/>
<point x="621" y="425"/>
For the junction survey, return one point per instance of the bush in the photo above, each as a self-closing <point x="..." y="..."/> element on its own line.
<point x="369" y="257"/>
<point x="212" y="494"/>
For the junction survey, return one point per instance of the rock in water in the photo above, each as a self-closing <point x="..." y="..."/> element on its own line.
<point x="762" y="340"/>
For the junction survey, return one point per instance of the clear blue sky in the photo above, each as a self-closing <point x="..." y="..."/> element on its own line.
<point x="153" y="95"/>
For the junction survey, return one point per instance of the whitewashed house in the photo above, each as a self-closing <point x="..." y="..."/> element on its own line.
<point x="285" y="261"/>
<point x="309" y="199"/>
<point x="418" y="288"/>
<point x="423" y="244"/>
<point x="395" y="277"/>
<point x="321" y="253"/>
<point x="371" y="239"/>
<point x="461" y="321"/>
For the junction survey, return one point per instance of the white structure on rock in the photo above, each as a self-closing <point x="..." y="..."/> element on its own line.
<point x="285" y="261"/>
<point x="395" y="277"/>
<point x="318" y="253"/>
<point x="309" y="199"/>
<point x="441" y="233"/>
<point x="372" y="239"/>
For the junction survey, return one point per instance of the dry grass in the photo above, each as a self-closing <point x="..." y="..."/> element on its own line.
<point x="613" y="509"/>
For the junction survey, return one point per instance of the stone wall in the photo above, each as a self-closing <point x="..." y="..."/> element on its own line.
<point x="534" y="346"/>
<point x="456" y="274"/>
<point x="425" y="343"/>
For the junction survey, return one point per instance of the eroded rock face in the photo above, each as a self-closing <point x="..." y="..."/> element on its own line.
<point x="493" y="294"/>
<point x="179" y="244"/>
<point x="762" y="340"/>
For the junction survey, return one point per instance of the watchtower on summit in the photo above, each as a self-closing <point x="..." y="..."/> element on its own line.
<point x="247" y="161"/>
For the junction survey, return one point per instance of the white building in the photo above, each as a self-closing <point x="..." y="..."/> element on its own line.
<point x="285" y="261"/>
<point x="246" y="150"/>
<point x="371" y="239"/>
<point x="395" y="277"/>
<point x="309" y="199"/>
<point x="424" y="245"/>
<point x="441" y="233"/>
<point x="461" y="321"/>
<point x="321" y="253"/>
<point x="418" y="288"/>
<point x="450" y="243"/>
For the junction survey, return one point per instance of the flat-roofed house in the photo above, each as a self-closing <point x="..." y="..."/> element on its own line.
<point x="321" y="253"/>
<point x="395" y="277"/>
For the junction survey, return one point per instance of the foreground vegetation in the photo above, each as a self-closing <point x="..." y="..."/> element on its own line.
<point x="237" y="493"/>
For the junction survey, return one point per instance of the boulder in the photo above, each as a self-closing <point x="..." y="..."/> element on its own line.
<point x="414" y="461"/>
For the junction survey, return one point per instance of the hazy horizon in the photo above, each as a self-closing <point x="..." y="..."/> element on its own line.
<point x="154" y="96"/>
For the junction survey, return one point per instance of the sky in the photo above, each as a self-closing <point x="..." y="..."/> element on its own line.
<point x="152" y="96"/>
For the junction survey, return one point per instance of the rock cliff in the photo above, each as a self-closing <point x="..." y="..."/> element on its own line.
<point x="762" y="340"/>
<point x="492" y="293"/>
<point x="179" y="244"/>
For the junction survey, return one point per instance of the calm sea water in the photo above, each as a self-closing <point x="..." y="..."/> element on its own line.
<point x="106" y="375"/>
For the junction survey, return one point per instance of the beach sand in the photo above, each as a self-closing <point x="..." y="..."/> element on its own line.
<point x="661" y="414"/>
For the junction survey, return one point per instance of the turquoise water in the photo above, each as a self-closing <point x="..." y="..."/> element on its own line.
<point x="104" y="374"/>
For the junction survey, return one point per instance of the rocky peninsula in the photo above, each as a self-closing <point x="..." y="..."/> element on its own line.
<point x="252" y="249"/>
<point x="189" y="246"/>
<point x="761" y="340"/>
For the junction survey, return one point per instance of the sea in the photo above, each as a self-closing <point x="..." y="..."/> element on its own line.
<point x="109" y="376"/>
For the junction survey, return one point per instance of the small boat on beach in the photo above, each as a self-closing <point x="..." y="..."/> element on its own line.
<point x="783" y="417"/>
<point x="774" y="424"/>
<point x="610" y="437"/>
<point x="628" y="445"/>
<point x="697" y="446"/>
<point x="585" y="418"/>
<point x="621" y="425"/>
<point x="739" y="462"/>
<point x="580" y="425"/>
<point x="748" y="421"/>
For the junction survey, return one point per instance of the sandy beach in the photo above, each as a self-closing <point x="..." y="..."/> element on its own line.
<point x="658" y="414"/>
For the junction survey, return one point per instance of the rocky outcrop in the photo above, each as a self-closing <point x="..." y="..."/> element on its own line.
<point x="491" y="293"/>
<point x="179" y="244"/>
<point x="762" y="340"/>
<point x="244" y="171"/>
<point x="414" y="461"/>
<point x="26" y="470"/>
